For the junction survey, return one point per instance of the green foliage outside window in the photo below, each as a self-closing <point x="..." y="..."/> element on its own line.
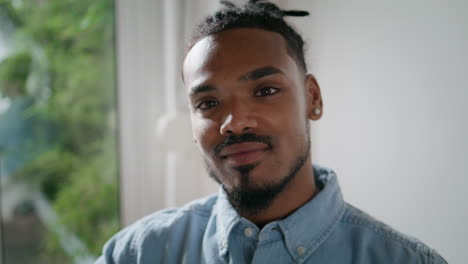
<point x="62" y="64"/>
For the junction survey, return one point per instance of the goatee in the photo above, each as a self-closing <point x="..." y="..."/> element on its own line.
<point x="252" y="199"/>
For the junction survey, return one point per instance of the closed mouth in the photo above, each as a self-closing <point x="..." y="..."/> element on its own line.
<point x="244" y="153"/>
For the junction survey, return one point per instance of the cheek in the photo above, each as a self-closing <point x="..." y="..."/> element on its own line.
<point x="290" y="123"/>
<point x="290" y="117"/>
<point x="204" y="132"/>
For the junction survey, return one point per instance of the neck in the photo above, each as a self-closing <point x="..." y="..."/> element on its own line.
<point x="298" y="192"/>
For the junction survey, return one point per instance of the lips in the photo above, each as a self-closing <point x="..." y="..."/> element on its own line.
<point x="244" y="153"/>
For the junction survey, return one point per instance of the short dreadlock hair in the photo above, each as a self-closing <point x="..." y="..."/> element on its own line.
<point x="254" y="14"/>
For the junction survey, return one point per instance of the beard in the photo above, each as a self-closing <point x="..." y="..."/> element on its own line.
<point x="253" y="199"/>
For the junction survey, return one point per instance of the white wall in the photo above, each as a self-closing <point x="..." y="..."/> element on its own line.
<point x="156" y="170"/>
<point x="395" y="84"/>
<point x="393" y="77"/>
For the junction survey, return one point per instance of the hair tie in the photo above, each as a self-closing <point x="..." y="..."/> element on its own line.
<point x="228" y="4"/>
<point x="269" y="7"/>
<point x="296" y="13"/>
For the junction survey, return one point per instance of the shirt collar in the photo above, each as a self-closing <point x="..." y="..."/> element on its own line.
<point x="311" y="224"/>
<point x="226" y="219"/>
<point x="306" y="228"/>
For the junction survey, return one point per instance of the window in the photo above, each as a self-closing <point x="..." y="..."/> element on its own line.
<point x="58" y="155"/>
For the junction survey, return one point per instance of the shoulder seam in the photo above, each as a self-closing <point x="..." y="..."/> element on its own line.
<point x="391" y="233"/>
<point x="200" y="211"/>
<point x="204" y="209"/>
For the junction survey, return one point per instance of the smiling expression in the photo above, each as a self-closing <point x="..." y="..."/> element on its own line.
<point x="250" y="105"/>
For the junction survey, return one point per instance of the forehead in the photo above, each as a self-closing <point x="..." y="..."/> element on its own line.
<point x="231" y="53"/>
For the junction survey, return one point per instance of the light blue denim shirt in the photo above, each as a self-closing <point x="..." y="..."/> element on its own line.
<point x="324" y="230"/>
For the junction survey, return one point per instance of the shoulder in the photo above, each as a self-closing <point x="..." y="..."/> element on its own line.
<point x="382" y="240"/>
<point x="156" y="229"/>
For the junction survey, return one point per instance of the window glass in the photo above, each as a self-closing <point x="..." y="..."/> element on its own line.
<point x="58" y="155"/>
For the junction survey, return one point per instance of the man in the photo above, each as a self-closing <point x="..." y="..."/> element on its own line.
<point x="251" y="100"/>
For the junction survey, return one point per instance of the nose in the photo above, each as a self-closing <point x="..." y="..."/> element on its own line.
<point x="238" y="120"/>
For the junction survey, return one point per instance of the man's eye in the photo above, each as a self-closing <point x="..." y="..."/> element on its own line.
<point x="266" y="91"/>
<point x="205" y="105"/>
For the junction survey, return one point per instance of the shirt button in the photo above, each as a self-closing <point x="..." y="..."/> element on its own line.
<point x="300" y="250"/>
<point x="248" y="232"/>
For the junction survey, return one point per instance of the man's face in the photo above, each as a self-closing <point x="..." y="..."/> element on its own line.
<point x="250" y="104"/>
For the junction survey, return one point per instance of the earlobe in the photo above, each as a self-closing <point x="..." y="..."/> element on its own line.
<point x="317" y="111"/>
<point x="314" y="98"/>
<point x="315" y="114"/>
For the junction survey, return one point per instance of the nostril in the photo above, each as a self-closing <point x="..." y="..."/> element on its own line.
<point x="237" y="123"/>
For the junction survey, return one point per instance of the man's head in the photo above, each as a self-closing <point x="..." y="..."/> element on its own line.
<point x="250" y="101"/>
<point x="254" y="14"/>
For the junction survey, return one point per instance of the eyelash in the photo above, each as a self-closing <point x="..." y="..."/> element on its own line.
<point x="268" y="88"/>
<point x="199" y="106"/>
<point x="258" y="93"/>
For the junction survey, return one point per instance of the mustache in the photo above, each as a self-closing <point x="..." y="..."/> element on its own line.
<point x="247" y="137"/>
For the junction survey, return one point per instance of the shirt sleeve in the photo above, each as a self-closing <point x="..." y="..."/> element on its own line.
<point x="438" y="259"/>
<point x="102" y="260"/>
<point x="118" y="249"/>
<point x="128" y="244"/>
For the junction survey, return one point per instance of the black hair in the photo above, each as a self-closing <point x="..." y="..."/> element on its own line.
<point x="254" y="14"/>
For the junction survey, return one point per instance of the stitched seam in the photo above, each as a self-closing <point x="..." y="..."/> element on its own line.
<point x="382" y="228"/>
<point x="225" y="235"/>
<point x="198" y="210"/>
<point x="198" y="213"/>
<point x="431" y="256"/>
<point x="135" y="239"/>
<point x="391" y="235"/>
<point x="133" y="254"/>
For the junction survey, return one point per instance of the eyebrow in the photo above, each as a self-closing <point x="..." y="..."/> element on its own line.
<point x="203" y="88"/>
<point x="259" y="73"/>
<point x="250" y="76"/>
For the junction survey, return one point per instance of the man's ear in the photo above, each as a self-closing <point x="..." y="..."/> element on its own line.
<point x="314" y="98"/>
